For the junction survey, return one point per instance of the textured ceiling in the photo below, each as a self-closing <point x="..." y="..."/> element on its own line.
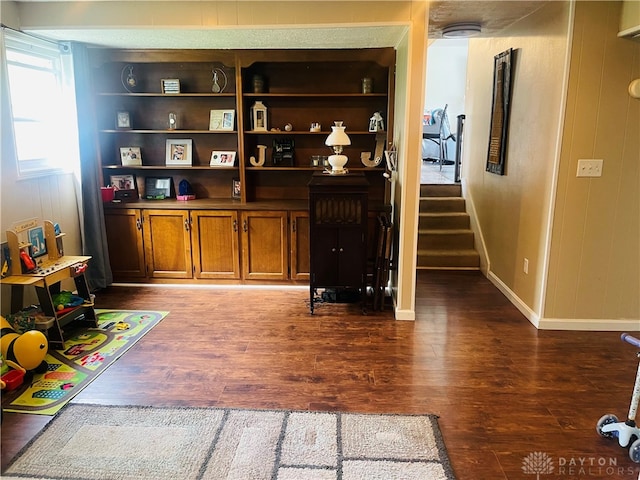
<point x="494" y="16"/>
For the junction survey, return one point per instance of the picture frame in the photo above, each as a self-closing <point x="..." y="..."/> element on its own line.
<point x="222" y="120"/>
<point x="500" y="109"/>
<point x="179" y="152"/>
<point x="37" y="241"/>
<point x="158" y="188"/>
<point x="123" y="120"/>
<point x="170" y="85"/>
<point x="126" y="187"/>
<point x="236" y="188"/>
<point x="130" y="156"/>
<point x="222" y="159"/>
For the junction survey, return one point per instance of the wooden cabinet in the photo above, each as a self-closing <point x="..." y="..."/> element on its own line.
<point x="299" y="245"/>
<point x="167" y="243"/>
<point x="215" y="244"/>
<point x="126" y="243"/>
<point x="264" y="245"/>
<point x="299" y="87"/>
<point x="338" y="208"/>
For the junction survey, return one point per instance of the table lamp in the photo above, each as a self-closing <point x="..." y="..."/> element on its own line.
<point x="337" y="139"/>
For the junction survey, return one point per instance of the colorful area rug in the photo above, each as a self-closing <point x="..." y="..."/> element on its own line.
<point x="85" y="356"/>
<point x="96" y="442"/>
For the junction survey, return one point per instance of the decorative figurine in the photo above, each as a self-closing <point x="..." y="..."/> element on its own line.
<point x="129" y="82"/>
<point x="218" y="77"/>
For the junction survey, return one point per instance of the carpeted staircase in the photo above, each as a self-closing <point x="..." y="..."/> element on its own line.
<point x="445" y="239"/>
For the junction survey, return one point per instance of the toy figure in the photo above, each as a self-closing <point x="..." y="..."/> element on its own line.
<point x="26" y="351"/>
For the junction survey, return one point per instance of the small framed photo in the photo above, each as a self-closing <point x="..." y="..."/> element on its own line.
<point x="236" y="188"/>
<point x="179" y="152"/>
<point x="223" y="159"/>
<point x="126" y="188"/>
<point x="170" y="85"/>
<point x="130" y="156"/>
<point x="123" y="120"/>
<point x="222" y="120"/>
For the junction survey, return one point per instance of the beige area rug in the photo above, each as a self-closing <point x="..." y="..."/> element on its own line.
<point x="114" y="442"/>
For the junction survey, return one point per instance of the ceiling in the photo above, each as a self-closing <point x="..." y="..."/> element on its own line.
<point x="494" y="16"/>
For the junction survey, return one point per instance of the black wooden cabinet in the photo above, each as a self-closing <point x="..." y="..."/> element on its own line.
<point x="338" y="233"/>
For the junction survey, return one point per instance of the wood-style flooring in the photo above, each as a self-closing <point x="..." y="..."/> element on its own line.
<point x="502" y="389"/>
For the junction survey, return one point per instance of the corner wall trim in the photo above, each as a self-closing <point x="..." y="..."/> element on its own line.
<point x="513" y="298"/>
<point x="405" y="315"/>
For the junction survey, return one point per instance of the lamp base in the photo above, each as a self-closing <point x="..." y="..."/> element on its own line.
<point x="342" y="171"/>
<point x="337" y="163"/>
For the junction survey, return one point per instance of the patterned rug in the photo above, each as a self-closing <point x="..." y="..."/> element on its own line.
<point x="95" y="442"/>
<point x="85" y="356"/>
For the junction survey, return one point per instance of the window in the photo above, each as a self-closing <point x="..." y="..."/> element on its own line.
<point x="42" y="104"/>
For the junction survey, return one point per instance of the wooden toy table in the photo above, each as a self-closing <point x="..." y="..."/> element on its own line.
<point x="46" y="278"/>
<point x="46" y="281"/>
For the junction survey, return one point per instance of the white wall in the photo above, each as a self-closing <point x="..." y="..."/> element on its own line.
<point x="447" y="77"/>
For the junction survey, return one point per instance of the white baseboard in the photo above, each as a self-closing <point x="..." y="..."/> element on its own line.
<point x="577" y="324"/>
<point x="590" y="324"/>
<point x="513" y="298"/>
<point x="405" y="315"/>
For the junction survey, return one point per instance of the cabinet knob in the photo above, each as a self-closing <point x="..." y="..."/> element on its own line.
<point x="138" y="224"/>
<point x="341" y="250"/>
<point x="333" y="250"/>
<point x="235" y="225"/>
<point x="245" y="227"/>
<point x="186" y="224"/>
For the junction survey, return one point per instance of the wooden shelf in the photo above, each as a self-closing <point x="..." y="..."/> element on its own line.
<point x="172" y="132"/>
<point x="168" y="95"/>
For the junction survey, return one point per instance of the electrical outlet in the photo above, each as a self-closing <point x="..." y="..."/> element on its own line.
<point x="525" y="267"/>
<point x="589" y="168"/>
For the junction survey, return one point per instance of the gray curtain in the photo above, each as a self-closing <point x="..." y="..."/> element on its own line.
<point x="92" y="228"/>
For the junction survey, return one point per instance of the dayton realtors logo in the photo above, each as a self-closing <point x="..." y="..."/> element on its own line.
<point x="537" y="463"/>
<point x="540" y="463"/>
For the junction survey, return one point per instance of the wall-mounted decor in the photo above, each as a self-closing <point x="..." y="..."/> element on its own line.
<point x="179" y="152"/>
<point x="500" y="106"/>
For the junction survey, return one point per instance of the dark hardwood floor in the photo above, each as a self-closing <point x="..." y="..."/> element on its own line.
<point x="503" y="389"/>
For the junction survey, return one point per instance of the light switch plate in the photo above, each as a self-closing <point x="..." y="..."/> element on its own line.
<point x="589" y="168"/>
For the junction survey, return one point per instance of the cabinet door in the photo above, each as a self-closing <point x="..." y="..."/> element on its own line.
<point x="167" y="242"/>
<point x="215" y="244"/>
<point x="351" y="259"/>
<point x="125" y="243"/>
<point x="264" y="245"/>
<point x="299" y="245"/>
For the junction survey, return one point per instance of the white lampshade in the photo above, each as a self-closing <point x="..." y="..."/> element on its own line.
<point x="336" y="140"/>
<point x="337" y="137"/>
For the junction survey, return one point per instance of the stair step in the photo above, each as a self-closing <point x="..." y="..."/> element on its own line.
<point x="457" y="239"/>
<point x="447" y="220"/>
<point x="442" y="204"/>
<point x="435" y="190"/>
<point x="448" y="259"/>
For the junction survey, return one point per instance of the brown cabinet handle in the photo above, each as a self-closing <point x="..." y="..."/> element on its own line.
<point x="138" y="224"/>
<point x="186" y="224"/>
<point x="293" y="225"/>
<point x="245" y="227"/>
<point x="235" y="225"/>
